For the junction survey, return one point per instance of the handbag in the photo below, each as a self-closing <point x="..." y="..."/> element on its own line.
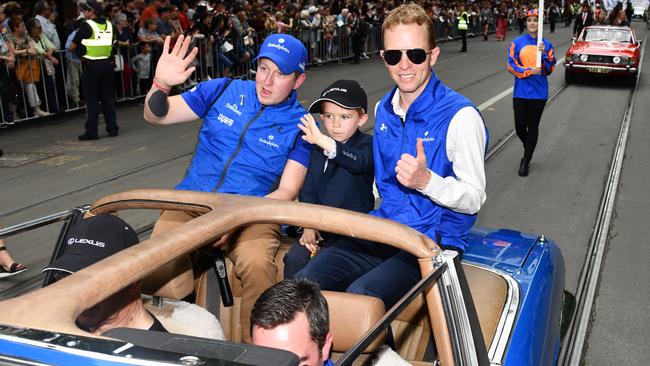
<point x="119" y="63"/>
<point x="28" y="70"/>
<point x="226" y="47"/>
<point x="49" y="67"/>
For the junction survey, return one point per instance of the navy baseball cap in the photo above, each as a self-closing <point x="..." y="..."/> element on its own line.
<point x="346" y="93"/>
<point x="288" y="53"/>
<point x="91" y="240"/>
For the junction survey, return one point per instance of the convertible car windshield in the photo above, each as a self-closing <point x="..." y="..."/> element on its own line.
<point x="607" y="35"/>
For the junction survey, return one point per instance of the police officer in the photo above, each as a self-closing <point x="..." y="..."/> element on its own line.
<point x="463" y="26"/>
<point x="94" y="45"/>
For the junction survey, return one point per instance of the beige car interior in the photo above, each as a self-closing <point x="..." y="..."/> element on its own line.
<point x="351" y="316"/>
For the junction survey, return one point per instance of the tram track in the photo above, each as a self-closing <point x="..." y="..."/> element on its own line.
<point x="111" y="178"/>
<point x="572" y="350"/>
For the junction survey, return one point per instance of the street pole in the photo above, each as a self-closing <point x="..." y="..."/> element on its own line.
<point x="540" y="30"/>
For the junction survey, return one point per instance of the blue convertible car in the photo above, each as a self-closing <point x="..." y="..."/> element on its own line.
<point x="500" y="305"/>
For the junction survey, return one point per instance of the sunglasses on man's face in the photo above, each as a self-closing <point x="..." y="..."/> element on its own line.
<point x="415" y="55"/>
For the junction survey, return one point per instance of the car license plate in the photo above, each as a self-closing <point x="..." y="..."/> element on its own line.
<point x="598" y="70"/>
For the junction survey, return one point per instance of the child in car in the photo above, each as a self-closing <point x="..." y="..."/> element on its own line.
<point x="341" y="170"/>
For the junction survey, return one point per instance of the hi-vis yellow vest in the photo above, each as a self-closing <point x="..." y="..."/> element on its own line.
<point x="462" y="22"/>
<point x="99" y="46"/>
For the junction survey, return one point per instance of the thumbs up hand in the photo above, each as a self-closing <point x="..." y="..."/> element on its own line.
<point x="412" y="171"/>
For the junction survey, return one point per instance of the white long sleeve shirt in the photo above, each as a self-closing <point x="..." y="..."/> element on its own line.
<point x="465" y="147"/>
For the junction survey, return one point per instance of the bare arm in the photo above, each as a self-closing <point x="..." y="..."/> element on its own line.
<point x="173" y="69"/>
<point x="291" y="181"/>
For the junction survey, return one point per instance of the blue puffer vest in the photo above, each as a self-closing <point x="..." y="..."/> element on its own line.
<point x="427" y="118"/>
<point x="243" y="145"/>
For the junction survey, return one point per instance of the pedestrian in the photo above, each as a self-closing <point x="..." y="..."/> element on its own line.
<point x="531" y="86"/>
<point x="73" y="63"/>
<point x="7" y="80"/>
<point x="8" y="267"/>
<point x="502" y="23"/>
<point x="45" y="50"/>
<point x="553" y="14"/>
<point x="486" y="19"/>
<point x="463" y="26"/>
<point x="248" y="144"/>
<point x="584" y="19"/>
<point x="429" y="146"/>
<point x="340" y="170"/>
<point x="27" y="67"/>
<point x="357" y="34"/>
<point x="141" y="63"/>
<point x="43" y="13"/>
<point x="567" y="13"/>
<point x="93" y="44"/>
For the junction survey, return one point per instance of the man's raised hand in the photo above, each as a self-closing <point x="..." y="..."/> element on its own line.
<point x="174" y="67"/>
<point x="412" y="171"/>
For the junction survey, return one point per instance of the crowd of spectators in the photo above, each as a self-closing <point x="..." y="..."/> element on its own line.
<point x="39" y="76"/>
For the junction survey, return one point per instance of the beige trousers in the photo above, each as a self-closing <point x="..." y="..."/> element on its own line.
<point x="251" y="249"/>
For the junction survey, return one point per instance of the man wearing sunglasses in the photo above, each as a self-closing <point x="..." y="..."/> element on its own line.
<point x="429" y="146"/>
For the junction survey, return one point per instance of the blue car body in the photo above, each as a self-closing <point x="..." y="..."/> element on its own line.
<point x="537" y="266"/>
<point x="534" y="263"/>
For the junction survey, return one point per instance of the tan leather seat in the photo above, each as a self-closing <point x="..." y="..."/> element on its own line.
<point x="411" y="329"/>
<point x="175" y="280"/>
<point x="489" y="292"/>
<point x="351" y="316"/>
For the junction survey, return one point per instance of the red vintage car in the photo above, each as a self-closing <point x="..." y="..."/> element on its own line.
<point x="614" y="51"/>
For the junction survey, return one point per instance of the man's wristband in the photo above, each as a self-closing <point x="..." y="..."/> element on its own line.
<point x="160" y="87"/>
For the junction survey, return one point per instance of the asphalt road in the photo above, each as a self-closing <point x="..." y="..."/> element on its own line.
<point x="560" y="198"/>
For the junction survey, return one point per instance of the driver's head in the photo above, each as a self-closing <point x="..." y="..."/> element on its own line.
<point x="293" y="316"/>
<point x="88" y="242"/>
<point x="281" y="67"/>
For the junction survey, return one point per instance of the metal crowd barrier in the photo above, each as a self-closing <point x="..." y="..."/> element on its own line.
<point x="62" y="92"/>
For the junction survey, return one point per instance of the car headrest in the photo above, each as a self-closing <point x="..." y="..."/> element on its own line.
<point x="351" y="316"/>
<point x="174" y="280"/>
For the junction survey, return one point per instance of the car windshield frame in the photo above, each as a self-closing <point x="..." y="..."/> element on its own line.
<point x="607" y="35"/>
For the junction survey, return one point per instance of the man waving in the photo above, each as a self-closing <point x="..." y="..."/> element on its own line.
<point x="248" y="144"/>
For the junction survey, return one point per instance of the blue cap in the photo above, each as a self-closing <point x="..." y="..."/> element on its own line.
<point x="288" y="53"/>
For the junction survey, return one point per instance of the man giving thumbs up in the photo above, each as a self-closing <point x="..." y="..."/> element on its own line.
<point x="428" y="149"/>
<point x="429" y="146"/>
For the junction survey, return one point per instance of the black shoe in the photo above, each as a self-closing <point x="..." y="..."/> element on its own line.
<point x="113" y="134"/>
<point x="462" y="51"/>
<point x="86" y="137"/>
<point x="523" y="168"/>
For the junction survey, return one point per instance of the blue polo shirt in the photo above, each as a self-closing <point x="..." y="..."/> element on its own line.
<point x="243" y="146"/>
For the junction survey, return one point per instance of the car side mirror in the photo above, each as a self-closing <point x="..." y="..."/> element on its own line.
<point x="638" y="42"/>
<point x="573" y="40"/>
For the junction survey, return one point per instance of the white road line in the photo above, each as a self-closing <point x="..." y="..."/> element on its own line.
<point x="504" y="93"/>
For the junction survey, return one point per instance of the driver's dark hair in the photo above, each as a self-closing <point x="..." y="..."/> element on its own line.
<point x="281" y="303"/>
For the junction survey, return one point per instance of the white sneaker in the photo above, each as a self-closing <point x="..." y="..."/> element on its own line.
<point x="41" y="113"/>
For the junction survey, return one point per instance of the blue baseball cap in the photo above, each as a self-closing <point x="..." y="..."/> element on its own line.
<point x="288" y="53"/>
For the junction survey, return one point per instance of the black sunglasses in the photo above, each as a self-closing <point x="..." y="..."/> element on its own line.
<point x="415" y="55"/>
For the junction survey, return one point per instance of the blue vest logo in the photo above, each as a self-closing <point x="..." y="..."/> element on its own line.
<point x="426" y="137"/>
<point x="233" y="107"/>
<point x="269" y="141"/>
